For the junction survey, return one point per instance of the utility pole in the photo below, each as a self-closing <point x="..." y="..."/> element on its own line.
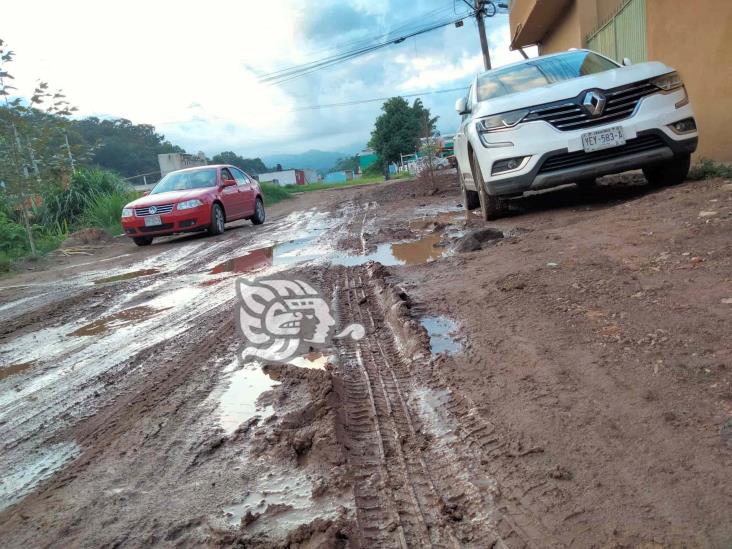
<point x="479" y="5"/>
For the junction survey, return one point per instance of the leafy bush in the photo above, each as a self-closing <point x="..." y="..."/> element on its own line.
<point x="709" y="169"/>
<point x="12" y="235"/>
<point x="67" y="204"/>
<point x="105" y="210"/>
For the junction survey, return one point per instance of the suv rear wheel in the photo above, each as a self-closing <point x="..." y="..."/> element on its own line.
<point x="491" y="207"/>
<point x="671" y="172"/>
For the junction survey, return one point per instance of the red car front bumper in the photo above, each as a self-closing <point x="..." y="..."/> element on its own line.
<point x="183" y="221"/>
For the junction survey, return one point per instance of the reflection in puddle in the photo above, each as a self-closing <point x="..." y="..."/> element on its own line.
<point x="279" y="503"/>
<point x="439" y="329"/>
<point x="414" y="252"/>
<point x="238" y="403"/>
<point x="252" y="261"/>
<point x="105" y="324"/>
<point x="314" y="360"/>
<point x="13" y="369"/>
<point x="127" y="276"/>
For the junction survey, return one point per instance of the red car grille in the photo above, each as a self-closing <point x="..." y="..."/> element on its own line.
<point x="163" y="209"/>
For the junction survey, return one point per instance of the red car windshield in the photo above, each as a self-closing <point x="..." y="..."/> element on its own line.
<point x="183" y="181"/>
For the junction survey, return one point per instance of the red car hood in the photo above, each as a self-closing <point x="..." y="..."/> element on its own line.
<point x="171" y="197"/>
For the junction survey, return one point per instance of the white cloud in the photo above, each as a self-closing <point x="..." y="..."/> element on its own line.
<point x="191" y="68"/>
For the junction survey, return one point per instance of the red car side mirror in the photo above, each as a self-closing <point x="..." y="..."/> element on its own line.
<point x="228" y="182"/>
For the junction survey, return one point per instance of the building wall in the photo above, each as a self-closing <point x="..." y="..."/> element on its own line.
<point x="564" y="33"/>
<point x="170" y="162"/>
<point x="696" y="39"/>
<point x="285" y="177"/>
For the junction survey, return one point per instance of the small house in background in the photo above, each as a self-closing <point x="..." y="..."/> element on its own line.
<point x="339" y="177"/>
<point x="169" y="162"/>
<point x="365" y="158"/>
<point x="290" y="177"/>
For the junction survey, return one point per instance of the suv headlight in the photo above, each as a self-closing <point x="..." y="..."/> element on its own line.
<point x="127" y="212"/>
<point x="188" y="204"/>
<point x="668" y="82"/>
<point x="500" y="121"/>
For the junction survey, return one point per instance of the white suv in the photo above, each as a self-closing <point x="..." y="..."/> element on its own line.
<point x="570" y="118"/>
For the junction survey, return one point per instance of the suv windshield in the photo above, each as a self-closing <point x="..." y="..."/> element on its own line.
<point x="540" y="72"/>
<point x="183" y="181"/>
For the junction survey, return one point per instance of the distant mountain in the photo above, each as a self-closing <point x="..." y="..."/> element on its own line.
<point x="321" y="161"/>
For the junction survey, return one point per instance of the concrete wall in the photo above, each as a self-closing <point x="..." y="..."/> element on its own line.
<point x="170" y="162"/>
<point x="696" y="39"/>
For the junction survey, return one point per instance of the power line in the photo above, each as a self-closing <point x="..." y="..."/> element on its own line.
<point x="375" y="99"/>
<point x="285" y="75"/>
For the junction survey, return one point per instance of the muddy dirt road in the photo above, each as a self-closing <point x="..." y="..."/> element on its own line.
<point x="561" y="380"/>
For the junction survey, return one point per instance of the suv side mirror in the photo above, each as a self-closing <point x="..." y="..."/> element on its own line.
<point x="627" y="62"/>
<point x="461" y="106"/>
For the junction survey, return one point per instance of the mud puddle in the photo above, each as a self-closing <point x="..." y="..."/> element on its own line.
<point x="127" y="276"/>
<point x="240" y="400"/>
<point x="20" y="479"/>
<point x="13" y="369"/>
<point x="440" y="328"/>
<point x="133" y="315"/>
<point x="279" y="503"/>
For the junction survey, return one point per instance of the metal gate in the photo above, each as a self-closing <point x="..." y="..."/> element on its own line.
<point x="624" y="35"/>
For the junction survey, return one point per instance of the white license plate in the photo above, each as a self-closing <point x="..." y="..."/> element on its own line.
<point x="603" y="139"/>
<point x="153" y="221"/>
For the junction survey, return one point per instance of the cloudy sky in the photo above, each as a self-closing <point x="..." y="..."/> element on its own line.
<point x="192" y="68"/>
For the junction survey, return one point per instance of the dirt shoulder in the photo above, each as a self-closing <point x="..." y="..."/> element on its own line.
<point x="584" y="398"/>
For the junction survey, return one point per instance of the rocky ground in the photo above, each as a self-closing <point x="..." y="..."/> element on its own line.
<point x="559" y="378"/>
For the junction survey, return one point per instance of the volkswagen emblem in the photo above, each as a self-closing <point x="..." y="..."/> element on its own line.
<point x="594" y="102"/>
<point x="153" y="210"/>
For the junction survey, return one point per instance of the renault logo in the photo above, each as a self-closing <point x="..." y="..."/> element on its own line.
<point x="594" y="102"/>
<point x="153" y="210"/>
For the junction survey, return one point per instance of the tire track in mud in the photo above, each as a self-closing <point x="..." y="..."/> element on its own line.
<point x="401" y="500"/>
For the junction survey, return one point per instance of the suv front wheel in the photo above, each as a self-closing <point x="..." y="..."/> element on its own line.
<point x="669" y="173"/>
<point x="491" y="207"/>
<point x="471" y="200"/>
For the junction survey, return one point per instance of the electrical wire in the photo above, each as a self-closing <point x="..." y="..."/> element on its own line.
<point x="376" y="99"/>
<point x="285" y="75"/>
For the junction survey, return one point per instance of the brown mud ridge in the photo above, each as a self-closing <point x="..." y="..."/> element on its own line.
<point x="562" y="378"/>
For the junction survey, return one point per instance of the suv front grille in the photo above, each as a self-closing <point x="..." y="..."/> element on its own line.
<point x="570" y="115"/>
<point x="563" y="161"/>
<point x="164" y="209"/>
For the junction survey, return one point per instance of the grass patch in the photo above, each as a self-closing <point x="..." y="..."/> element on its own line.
<point x="365" y="180"/>
<point x="709" y="169"/>
<point x="104" y="211"/>
<point x="273" y="193"/>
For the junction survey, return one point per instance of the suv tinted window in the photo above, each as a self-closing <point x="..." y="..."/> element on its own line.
<point x="540" y="72"/>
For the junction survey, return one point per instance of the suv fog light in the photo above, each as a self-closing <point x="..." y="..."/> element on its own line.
<point x="508" y="164"/>
<point x="687" y="125"/>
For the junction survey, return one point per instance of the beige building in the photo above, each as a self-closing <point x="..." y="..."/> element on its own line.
<point x="693" y="36"/>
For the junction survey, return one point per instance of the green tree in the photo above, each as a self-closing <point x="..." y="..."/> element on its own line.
<point x="121" y="146"/>
<point x="348" y="163"/>
<point x="400" y="127"/>
<point x="252" y="166"/>
<point x="34" y="148"/>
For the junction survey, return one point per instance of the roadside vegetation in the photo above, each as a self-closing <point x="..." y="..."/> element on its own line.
<point x="709" y="169"/>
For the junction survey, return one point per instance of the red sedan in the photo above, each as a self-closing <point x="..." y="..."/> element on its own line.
<point x="194" y="199"/>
